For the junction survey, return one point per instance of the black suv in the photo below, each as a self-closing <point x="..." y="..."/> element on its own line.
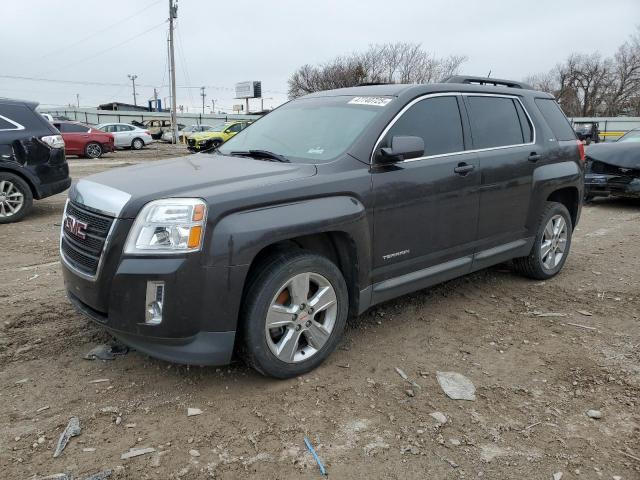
<point x="330" y="204"/>
<point x="32" y="160"/>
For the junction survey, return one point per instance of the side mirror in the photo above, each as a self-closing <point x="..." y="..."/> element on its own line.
<point x="402" y="148"/>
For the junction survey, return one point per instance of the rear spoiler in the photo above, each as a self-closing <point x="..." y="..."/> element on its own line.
<point x="495" y="82"/>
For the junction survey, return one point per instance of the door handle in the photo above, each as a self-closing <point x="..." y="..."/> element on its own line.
<point x="463" y="168"/>
<point x="533" y="157"/>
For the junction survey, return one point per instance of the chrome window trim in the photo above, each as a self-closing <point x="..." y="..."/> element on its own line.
<point x="460" y="152"/>
<point x="16" y="124"/>
<point x="66" y="263"/>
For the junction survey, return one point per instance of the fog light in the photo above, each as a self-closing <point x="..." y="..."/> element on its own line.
<point x="154" y="302"/>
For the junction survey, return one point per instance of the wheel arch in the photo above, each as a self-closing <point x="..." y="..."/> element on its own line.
<point x="35" y="192"/>
<point x="570" y="198"/>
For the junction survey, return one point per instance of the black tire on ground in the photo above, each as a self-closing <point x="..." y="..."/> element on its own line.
<point x="269" y="277"/>
<point x="532" y="266"/>
<point x="12" y="183"/>
<point x="137" y="144"/>
<point x="588" y="198"/>
<point x="93" y="150"/>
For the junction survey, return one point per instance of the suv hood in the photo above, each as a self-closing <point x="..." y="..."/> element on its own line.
<point x="201" y="175"/>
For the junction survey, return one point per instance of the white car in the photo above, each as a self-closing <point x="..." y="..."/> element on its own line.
<point x="127" y="136"/>
<point x="185" y="132"/>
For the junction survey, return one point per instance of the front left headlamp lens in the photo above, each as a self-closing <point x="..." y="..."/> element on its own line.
<point x="172" y="225"/>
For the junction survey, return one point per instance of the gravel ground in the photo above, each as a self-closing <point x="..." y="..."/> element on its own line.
<point x="536" y="375"/>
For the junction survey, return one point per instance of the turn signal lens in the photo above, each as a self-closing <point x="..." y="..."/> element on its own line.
<point x="194" y="236"/>
<point x="198" y="213"/>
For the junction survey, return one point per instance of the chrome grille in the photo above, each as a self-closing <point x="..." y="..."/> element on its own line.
<point x="83" y="254"/>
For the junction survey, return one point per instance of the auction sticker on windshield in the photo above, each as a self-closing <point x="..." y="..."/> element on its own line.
<point x="374" y="101"/>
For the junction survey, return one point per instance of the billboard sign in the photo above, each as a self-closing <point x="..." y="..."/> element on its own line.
<point x="249" y="90"/>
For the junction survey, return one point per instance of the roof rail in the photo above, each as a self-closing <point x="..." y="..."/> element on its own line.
<point x="497" y="82"/>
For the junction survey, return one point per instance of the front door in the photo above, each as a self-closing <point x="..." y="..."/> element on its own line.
<point x="426" y="209"/>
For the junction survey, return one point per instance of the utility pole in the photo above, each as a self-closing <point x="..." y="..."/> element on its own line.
<point x="78" y="100"/>
<point x="213" y="106"/>
<point x="202" y="94"/>
<point x="173" y="14"/>
<point x="133" y="81"/>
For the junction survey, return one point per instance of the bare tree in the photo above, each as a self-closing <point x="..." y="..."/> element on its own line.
<point x="590" y="85"/>
<point x="381" y="63"/>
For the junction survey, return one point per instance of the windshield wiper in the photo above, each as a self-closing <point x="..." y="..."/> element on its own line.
<point x="262" y="154"/>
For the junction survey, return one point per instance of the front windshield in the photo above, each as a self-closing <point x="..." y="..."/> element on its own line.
<point x="309" y="129"/>
<point x="633" y="136"/>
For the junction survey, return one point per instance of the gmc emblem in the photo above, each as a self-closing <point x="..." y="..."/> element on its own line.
<point x="75" y="227"/>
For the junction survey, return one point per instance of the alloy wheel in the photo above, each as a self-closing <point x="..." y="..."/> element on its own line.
<point x="554" y="242"/>
<point x="94" y="150"/>
<point x="301" y="317"/>
<point x="11" y="199"/>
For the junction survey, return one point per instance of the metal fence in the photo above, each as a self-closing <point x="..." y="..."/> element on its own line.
<point x="95" y="117"/>
<point x="611" y="128"/>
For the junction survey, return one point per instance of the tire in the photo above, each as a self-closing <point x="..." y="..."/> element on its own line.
<point x="537" y="265"/>
<point x="16" y="199"/>
<point x="137" y="144"/>
<point x="93" y="150"/>
<point x="270" y="290"/>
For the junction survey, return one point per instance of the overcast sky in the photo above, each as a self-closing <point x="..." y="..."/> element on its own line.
<point x="222" y="42"/>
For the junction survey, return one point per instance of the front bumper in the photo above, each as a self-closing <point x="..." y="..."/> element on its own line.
<point x="203" y="348"/>
<point x="199" y="314"/>
<point x="603" y="185"/>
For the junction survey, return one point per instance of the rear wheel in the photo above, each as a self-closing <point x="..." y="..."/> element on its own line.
<point x="551" y="245"/>
<point x="137" y="144"/>
<point x="293" y="315"/>
<point x="16" y="198"/>
<point x="93" y="150"/>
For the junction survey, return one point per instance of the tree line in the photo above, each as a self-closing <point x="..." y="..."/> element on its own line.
<point x="585" y="85"/>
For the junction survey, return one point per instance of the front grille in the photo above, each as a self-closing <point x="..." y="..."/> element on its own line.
<point x="84" y="253"/>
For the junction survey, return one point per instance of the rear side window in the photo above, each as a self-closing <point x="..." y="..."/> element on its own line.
<point x="494" y="122"/>
<point x="436" y="120"/>
<point x="527" y="129"/>
<point x="555" y="119"/>
<point x="73" y="128"/>
<point x="8" y="124"/>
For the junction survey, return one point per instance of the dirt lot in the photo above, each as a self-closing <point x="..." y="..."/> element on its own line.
<point x="536" y="376"/>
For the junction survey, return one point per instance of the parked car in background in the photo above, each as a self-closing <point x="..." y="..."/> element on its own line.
<point x="85" y="141"/>
<point x="157" y="127"/>
<point x="614" y="168"/>
<point x="216" y="136"/>
<point x="587" y="132"/>
<point x="127" y="136"/>
<point x="186" y="132"/>
<point x="330" y="204"/>
<point x="32" y="159"/>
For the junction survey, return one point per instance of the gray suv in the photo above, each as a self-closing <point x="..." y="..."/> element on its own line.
<point x="330" y="204"/>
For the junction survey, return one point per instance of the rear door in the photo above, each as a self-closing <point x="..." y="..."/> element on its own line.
<point x="426" y="209"/>
<point x="505" y="141"/>
<point x="75" y="135"/>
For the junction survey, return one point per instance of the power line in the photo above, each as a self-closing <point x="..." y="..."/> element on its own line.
<point x="98" y="32"/>
<point x="107" y="49"/>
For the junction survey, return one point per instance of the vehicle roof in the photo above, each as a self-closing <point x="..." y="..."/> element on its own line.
<point x="28" y="103"/>
<point x="398" y="89"/>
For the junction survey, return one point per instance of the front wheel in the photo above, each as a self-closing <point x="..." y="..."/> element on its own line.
<point x="293" y="315"/>
<point x="551" y="245"/>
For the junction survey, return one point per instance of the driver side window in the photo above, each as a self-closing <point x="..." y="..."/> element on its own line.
<point x="436" y="120"/>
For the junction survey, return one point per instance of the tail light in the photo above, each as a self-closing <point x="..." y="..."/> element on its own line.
<point x="581" y="150"/>
<point x="54" y="141"/>
<point x="147" y="132"/>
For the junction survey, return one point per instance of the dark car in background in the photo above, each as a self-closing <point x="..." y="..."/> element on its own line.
<point x="32" y="159"/>
<point x="614" y="168"/>
<point x="85" y="141"/>
<point x="587" y="132"/>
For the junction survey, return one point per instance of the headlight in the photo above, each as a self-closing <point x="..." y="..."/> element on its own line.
<point x="172" y="225"/>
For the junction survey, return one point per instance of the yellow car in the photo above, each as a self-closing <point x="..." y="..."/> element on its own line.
<point x="215" y="137"/>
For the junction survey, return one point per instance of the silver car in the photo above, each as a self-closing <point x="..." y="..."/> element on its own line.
<point x="127" y="136"/>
